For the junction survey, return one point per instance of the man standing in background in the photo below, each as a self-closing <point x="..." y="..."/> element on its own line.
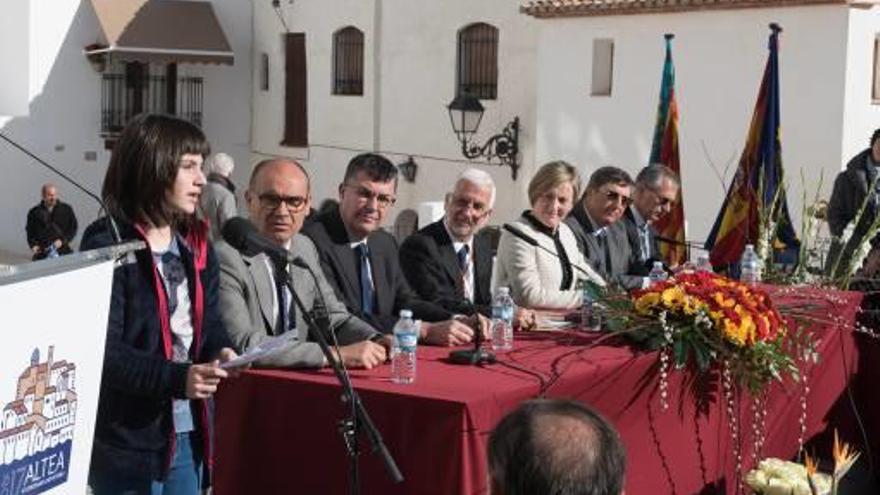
<point x="51" y="225"/>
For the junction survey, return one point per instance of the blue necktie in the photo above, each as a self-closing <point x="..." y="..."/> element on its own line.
<point x="463" y="259"/>
<point x="366" y="283"/>
<point x="283" y="303"/>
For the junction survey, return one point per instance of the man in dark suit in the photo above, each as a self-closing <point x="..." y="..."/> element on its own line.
<point x="449" y="261"/>
<point x="361" y="261"/>
<point x="254" y="302"/>
<point x="600" y="235"/>
<point x="655" y="193"/>
<point x="51" y="225"/>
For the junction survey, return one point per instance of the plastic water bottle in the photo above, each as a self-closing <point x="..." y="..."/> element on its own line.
<point x="703" y="263"/>
<point x="591" y="312"/>
<point x="750" y="266"/>
<point x="403" y="351"/>
<point x="657" y="273"/>
<point x="502" y="320"/>
<point x="53" y="252"/>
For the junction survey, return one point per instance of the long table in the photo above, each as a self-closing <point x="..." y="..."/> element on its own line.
<point x="276" y="430"/>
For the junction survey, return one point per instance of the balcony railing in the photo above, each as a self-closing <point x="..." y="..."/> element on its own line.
<point x="122" y="98"/>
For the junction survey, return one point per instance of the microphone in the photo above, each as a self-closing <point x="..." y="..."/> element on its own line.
<point x="477" y="355"/>
<point x="534" y="242"/>
<point x="113" y="228"/>
<point x="244" y="236"/>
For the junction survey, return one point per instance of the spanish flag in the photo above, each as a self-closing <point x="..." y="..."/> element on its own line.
<point x="665" y="150"/>
<point x="760" y="169"/>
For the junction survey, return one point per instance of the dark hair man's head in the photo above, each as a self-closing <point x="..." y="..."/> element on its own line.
<point x="656" y="192"/>
<point x="608" y="194"/>
<point x="367" y="193"/>
<point x="875" y="145"/>
<point x="555" y="447"/>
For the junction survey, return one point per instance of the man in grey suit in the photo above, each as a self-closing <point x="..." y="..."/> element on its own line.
<point x="655" y="193"/>
<point x="600" y="235"/>
<point x="278" y="200"/>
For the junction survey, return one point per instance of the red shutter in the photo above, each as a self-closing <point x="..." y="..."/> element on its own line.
<point x="296" y="130"/>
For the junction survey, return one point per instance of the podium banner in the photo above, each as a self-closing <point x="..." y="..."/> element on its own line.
<point x="51" y="355"/>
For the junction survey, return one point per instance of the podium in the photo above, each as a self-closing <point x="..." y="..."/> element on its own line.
<point x="53" y="315"/>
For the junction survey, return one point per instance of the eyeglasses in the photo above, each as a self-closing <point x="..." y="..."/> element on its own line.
<point x="366" y="195"/>
<point x="462" y="204"/>
<point x="617" y="197"/>
<point x="271" y="201"/>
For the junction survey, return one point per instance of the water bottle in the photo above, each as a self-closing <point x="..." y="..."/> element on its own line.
<point x="591" y="313"/>
<point x="403" y="351"/>
<point x="657" y="273"/>
<point x="53" y="251"/>
<point x="750" y="266"/>
<point x="502" y="320"/>
<point x="703" y="263"/>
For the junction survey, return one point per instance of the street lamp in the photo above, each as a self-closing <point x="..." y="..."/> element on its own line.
<point x="465" y="114"/>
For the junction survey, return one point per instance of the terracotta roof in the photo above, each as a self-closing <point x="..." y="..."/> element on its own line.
<point x="578" y="8"/>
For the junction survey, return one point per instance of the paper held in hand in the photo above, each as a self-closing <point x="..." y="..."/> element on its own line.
<point x="266" y="348"/>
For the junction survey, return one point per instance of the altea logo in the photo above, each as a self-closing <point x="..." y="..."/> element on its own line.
<point x="36" y="428"/>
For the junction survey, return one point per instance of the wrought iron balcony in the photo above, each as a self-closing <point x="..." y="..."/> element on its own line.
<point x="123" y="97"/>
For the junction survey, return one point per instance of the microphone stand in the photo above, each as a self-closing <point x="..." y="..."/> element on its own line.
<point x="319" y="326"/>
<point x="476" y="356"/>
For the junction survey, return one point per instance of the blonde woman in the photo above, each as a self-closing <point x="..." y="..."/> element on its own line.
<point x="537" y="278"/>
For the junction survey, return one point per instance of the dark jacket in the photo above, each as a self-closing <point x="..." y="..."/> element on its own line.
<point x="134" y="431"/>
<point x="619" y="262"/>
<point x="431" y="266"/>
<point x="642" y="266"/>
<point x="850" y="191"/>
<point x="340" y="264"/>
<point x="44" y="227"/>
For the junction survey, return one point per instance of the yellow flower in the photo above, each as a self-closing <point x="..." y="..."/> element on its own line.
<point x="724" y="303"/>
<point x="673" y="298"/>
<point x="647" y="302"/>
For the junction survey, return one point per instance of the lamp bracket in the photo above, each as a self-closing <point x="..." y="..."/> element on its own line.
<point x="504" y="146"/>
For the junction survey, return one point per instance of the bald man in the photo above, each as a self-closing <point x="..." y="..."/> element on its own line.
<point x="51" y="225"/>
<point x="254" y="305"/>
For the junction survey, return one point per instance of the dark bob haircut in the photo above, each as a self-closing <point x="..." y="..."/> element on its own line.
<point x="144" y="164"/>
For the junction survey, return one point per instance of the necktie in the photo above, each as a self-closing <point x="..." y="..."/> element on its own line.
<point x="604" y="254"/>
<point x="646" y="241"/>
<point x="283" y="303"/>
<point x="366" y="280"/>
<point x="464" y="265"/>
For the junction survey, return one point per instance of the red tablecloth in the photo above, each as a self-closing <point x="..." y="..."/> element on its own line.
<point x="277" y="430"/>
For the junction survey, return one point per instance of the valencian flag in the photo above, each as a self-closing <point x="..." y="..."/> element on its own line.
<point x="665" y="150"/>
<point x="760" y="168"/>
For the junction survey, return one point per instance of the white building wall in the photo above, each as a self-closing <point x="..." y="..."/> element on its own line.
<point x="63" y="121"/>
<point x="719" y="58"/>
<point x="861" y="117"/>
<point x="403" y="109"/>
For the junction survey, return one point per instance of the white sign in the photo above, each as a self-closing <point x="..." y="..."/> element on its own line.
<point x="52" y="331"/>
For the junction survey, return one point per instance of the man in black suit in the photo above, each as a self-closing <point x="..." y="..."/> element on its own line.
<point x="361" y="262"/>
<point x="600" y="235"/>
<point x="449" y="261"/>
<point x="655" y="193"/>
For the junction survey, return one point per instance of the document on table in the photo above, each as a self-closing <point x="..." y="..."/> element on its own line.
<point x="265" y="348"/>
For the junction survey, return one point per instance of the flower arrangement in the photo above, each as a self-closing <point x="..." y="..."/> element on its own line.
<point x="706" y="318"/>
<point x="775" y="476"/>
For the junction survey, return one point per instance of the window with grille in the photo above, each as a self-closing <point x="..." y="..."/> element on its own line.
<point x="477" y="72"/>
<point x="348" y="61"/>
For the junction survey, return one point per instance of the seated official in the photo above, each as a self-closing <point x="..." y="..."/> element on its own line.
<point x="555" y="446"/>
<point x="448" y="261"/>
<point x="256" y="304"/>
<point x="537" y="278"/>
<point x="600" y="236"/>
<point x="654" y="195"/>
<point x="361" y="261"/>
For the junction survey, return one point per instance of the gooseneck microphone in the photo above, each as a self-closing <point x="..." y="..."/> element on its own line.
<point x="242" y="235"/>
<point x="113" y="228"/>
<point x="534" y="242"/>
